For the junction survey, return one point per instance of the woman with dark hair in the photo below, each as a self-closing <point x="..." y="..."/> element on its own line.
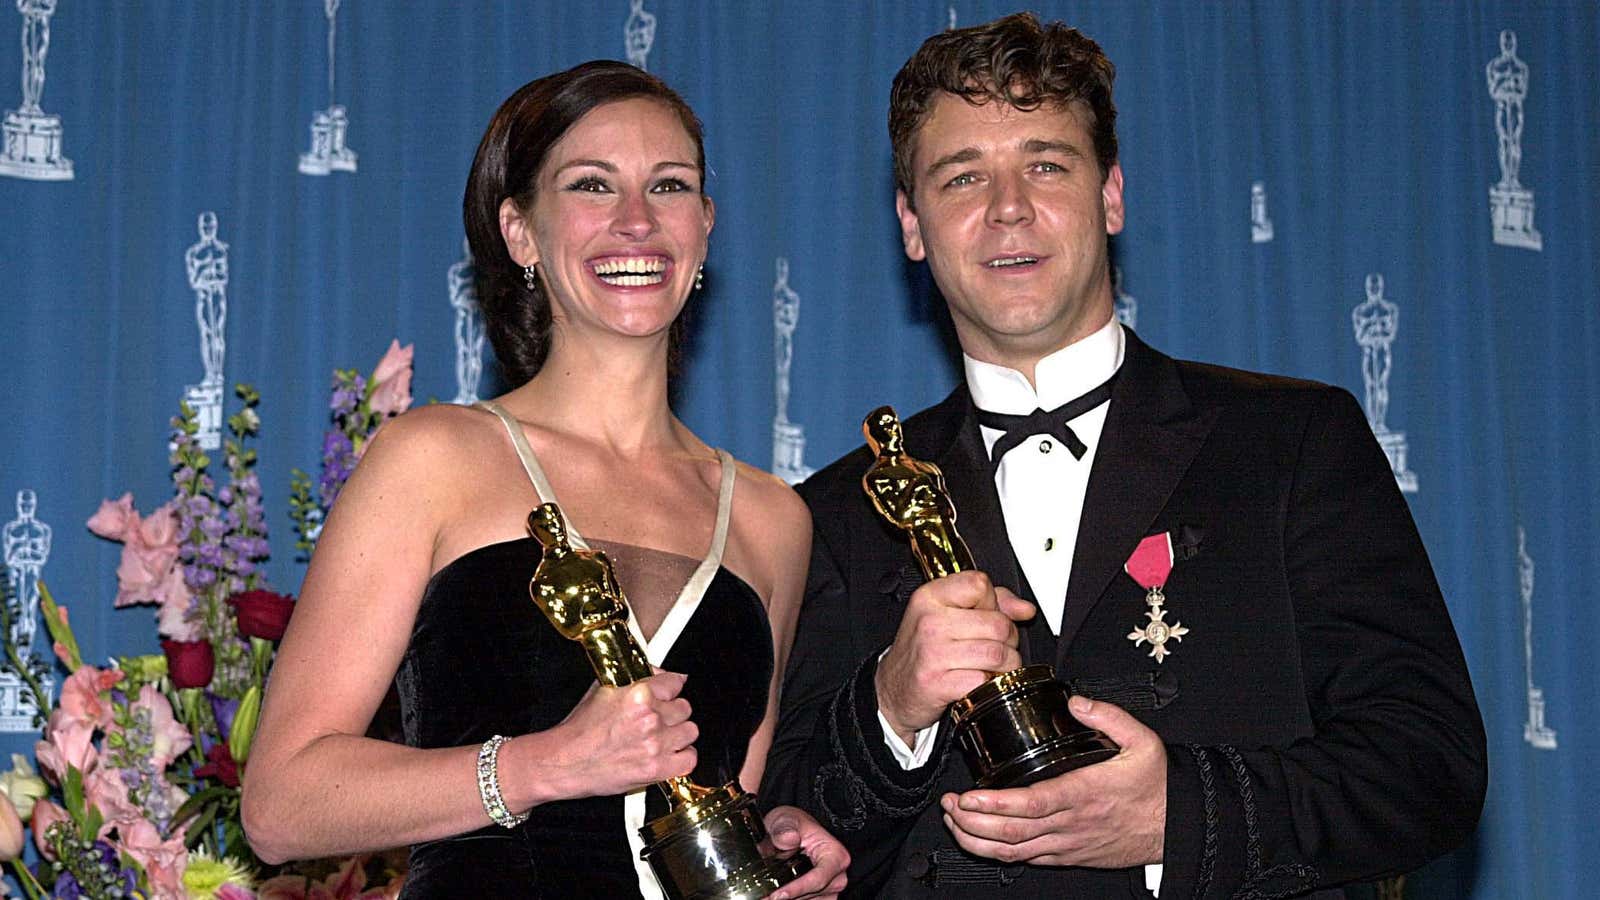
<point x="588" y="225"/>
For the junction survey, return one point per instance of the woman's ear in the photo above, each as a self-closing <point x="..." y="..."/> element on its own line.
<point x="518" y="234"/>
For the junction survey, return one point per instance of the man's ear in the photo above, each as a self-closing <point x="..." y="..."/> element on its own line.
<point x="1111" y="197"/>
<point x="910" y="228"/>
<point x="518" y="234"/>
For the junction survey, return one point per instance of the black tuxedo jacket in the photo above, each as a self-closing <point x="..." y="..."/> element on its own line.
<point x="1319" y="724"/>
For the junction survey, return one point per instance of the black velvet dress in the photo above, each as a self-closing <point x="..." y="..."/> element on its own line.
<point x="483" y="660"/>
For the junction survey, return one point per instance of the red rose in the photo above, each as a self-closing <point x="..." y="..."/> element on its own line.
<point x="220" y="765"/>
<point x="262" y="614"/>
<point x="189" y="663"/>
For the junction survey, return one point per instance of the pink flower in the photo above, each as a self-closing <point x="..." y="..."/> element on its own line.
<point x="234" y="892"/>
<point x="172" y="619"/>
<point x="68" y="741"/>
<point x="105" y="789"/>
<point x="345" y="884"/>
<point x="169" y="737"/>
<point x="115" y="519"/>
<point x="148" y="571"/>
<point x="12" y="833"/>
<point x="46" y="814"/>
<point x="160" y="528"/>
<point x="163" y="861"/>
<point x="391" y="381"/>
<point x="83" y="695"/>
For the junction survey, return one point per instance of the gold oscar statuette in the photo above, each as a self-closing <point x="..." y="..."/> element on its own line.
<point x="711" y="845"/>
<point x="1014" y="729"/>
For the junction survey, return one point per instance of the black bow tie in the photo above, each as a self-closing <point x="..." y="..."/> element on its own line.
<point x="1019" y="428"/>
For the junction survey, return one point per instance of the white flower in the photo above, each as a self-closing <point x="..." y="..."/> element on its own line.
<point x="22" y="786"/>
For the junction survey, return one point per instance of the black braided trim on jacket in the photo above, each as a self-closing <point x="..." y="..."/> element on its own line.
<point x="1208" y="794"/>
<point x="900" y="802"/>
<point x="1301" y="876"/>
<point x="947" y="866"/>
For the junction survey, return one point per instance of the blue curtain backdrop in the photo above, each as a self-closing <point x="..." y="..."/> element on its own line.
<point x="1286" y="163"/>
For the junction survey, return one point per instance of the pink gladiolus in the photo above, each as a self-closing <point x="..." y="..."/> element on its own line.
<point x="12" y="832"/>
<point x="391" y="381"/>
<point x="169" y="737"/>
<point x="68" y="742"/>
<point x="148" y="571"/>
<point x="83" y="695"/>
<point x="172" y="620"/>
<point x="46" y="814"/>
<point x="160" y="528"/>
<point x="234" y="892"/>
<point x="163" y="861"/>
<point x="105" y="789"/>
<point x="115" y="518"/>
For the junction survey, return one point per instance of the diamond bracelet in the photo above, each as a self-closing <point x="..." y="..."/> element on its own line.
<point x="494" y="803"/>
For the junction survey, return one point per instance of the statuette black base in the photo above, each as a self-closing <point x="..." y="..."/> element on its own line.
<point x="1015" y="729"/>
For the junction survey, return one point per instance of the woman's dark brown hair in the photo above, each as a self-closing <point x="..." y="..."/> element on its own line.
<point x="507" y="165"/>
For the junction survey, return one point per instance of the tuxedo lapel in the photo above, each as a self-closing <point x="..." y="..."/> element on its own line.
<point x="965" y="463"/>
<point x="1151" y="435"/>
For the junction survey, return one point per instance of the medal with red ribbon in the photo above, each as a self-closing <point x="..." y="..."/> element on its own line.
<point x="1150" y="565"/>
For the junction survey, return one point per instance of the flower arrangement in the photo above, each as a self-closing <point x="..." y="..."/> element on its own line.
<point x="136" y="792"/>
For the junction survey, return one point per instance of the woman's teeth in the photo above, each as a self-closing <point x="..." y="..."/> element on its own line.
<point x="632" y="271"/>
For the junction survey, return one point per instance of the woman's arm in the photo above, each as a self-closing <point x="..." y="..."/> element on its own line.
<point x="315" y="785"/>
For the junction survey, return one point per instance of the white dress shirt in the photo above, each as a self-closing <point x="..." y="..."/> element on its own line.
<point x="1041" y="485"/>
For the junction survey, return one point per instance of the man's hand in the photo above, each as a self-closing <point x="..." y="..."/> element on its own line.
<point x="956" y="631"/>
<point x="1108" y="815"/>
<point x="794" y="829"/>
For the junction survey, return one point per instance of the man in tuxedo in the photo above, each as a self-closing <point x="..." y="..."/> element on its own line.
<point x="1304" y="720"/>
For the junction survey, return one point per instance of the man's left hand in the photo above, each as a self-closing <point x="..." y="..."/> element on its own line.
<point x="1108" y="815"/>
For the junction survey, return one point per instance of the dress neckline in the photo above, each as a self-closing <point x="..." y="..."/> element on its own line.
<point x="659" y="644"/>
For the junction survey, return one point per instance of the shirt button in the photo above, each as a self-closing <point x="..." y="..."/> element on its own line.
<point x="1049" y="544"/>
<point x="1045" y="446"/>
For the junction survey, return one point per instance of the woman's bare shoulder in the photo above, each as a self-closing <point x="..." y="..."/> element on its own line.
<point x="769" y="510"/>
<point x="438" y="431"/>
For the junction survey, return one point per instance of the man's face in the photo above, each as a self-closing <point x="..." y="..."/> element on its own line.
<point x="1012" y="216"/>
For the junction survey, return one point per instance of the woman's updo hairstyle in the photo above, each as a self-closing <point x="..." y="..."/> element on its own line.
<point x="507" y="164"/>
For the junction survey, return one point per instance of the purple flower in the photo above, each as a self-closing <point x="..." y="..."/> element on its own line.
<point x="223" y="709"/>
<point x="66" y="888"/>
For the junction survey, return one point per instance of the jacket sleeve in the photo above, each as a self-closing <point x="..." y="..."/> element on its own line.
<point x="1394" y="772"/>
<point x="829" y="755"/>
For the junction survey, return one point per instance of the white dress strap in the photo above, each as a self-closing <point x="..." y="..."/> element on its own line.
<point x="530" y="464"/>
<point x="695" y="588"/>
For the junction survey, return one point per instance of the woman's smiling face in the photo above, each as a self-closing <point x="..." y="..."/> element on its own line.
<point x="619" y="222"/>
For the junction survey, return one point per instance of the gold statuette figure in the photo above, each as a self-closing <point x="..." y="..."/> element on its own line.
<point x="1015" y="728"/>
<point x="711" y="845"/>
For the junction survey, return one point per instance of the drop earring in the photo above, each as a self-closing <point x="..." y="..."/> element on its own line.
<point x="700" y="277"/>
<point x="530" y="277"/>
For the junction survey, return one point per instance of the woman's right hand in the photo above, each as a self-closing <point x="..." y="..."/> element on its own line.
<point x="619" y="739"/>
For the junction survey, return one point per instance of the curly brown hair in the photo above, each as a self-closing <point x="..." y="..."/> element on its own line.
<point x="514" y="147"/>
<point x="1014" y="60"/>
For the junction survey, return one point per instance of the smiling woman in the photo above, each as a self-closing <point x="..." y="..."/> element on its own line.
<point x="588" y="224"/>
<point x="616" y="227"/>
<point x="520" y="137"/>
